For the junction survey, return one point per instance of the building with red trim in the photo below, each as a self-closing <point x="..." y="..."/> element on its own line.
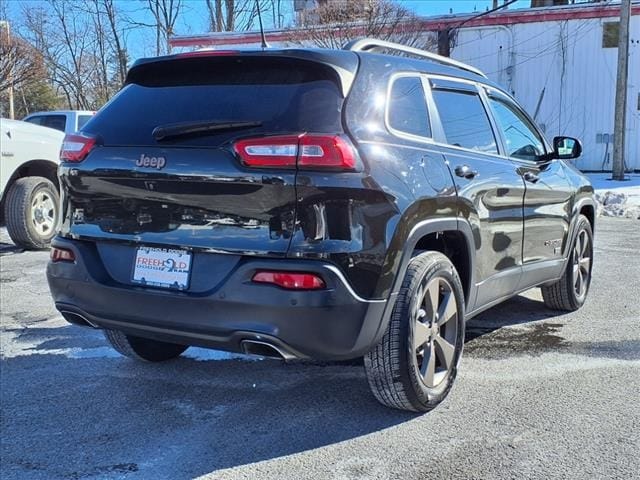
<point x="559" y="62"/>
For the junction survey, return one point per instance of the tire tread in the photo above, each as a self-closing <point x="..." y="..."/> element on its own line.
<point x="17" y="204"/>
<point x="383" y="364"/>
<point x="121" y="344"/>
<point x="560" y="295"/>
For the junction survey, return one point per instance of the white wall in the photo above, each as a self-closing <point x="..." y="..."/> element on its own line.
<point x="566" y="59"/>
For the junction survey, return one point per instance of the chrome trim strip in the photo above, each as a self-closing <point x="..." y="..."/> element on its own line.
<point x="342" y="278"/>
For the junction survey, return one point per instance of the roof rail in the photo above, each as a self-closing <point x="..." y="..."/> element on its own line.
<point x="366" y="44"/>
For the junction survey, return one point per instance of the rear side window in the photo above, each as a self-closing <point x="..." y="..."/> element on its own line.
<point x="34" y="120"/>
<point x="407" y="110"/>
<point x="52" y="121"/>
<point x="82" y="119"/>
<point x="465" y="121"/>
<point x="285" y="95"/>
<point x="55" y="121"/>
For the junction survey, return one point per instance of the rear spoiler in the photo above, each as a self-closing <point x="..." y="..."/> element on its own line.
<point x="344" y="63"/>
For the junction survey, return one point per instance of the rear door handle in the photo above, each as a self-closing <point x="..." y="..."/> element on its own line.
<point x="465" y="171"/>
<point x="531" y="177"/>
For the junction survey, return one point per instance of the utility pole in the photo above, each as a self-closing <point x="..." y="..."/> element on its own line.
<point x="12" y="115"/>
<point x="444" y="42"/>
<point x="621" y="92"/>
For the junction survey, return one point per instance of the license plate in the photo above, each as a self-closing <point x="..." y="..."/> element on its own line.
<point x="161" y="267"/>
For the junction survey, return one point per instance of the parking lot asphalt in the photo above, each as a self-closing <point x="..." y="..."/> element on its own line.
<point x="540" y="394"/>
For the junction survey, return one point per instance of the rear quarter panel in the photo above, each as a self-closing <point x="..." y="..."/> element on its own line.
<point x="583" y="200"/>
<point x="368" y="215"/>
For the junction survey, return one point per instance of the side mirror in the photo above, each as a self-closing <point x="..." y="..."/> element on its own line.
<point x="566" y="148"/>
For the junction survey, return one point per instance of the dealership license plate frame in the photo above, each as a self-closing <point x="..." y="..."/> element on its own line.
<point x="160" y="272"/>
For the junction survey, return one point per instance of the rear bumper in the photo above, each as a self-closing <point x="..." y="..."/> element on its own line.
<point x="326" y="324"/>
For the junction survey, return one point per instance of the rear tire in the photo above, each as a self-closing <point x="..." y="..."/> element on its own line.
<point x="570" y="292"/>
<point x="139" y="348"/>
<point x="415" y="364"/>
<point x="32" y="212"/>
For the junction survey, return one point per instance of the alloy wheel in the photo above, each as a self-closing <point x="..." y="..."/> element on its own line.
<point x="436" y="331"/>
<point x="581" y="264"/>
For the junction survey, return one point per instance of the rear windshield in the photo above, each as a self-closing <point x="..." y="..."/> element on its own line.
<point x="286" y="95"/>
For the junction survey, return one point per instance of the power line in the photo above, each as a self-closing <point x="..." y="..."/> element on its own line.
<point x="550" y="50"/>
<point x="504" y="5"/>
<point x="527" y="40"/>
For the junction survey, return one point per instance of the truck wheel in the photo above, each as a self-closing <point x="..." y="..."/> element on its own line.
<point x="32" y="212"/>
<point x="145" y="349"/>
<point x="415" y="364"/>
<point x="570" y="292"/>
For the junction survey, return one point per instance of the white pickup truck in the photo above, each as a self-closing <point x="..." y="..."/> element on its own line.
<point x="29" y="186"/>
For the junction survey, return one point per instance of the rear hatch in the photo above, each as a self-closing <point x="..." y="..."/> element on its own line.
<point x="165" y="169"/>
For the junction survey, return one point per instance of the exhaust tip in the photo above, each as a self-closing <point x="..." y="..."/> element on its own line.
<point x="264" y="349"/>
<point x="76" y="319"/>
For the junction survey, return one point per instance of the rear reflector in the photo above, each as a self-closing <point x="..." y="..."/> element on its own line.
<point x="62" y="255"/>
<point x="290" y="280"/>
<point x="304" y="151"/>
<point x="76" y="147"/>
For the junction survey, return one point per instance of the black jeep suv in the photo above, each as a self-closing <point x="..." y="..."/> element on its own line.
<point x="316" y="204"/>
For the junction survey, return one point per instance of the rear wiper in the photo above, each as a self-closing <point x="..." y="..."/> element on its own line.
<point x="206" y="127"/>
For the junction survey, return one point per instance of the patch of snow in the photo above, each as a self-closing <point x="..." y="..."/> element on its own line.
<point x="206" y="354"/>
<point x="98" y="352"/>
<point x="617" y="198"/>
<point x="73" y="353"/>
<point x="196" y="412"/>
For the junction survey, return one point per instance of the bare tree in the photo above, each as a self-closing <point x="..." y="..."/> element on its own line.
<point x="83" y="45"/>
<point x="238" y="15"/>
<point x="214" y="7"/>
<point x="165" y="14"/>
<point x="276" y="13"/>
<point x="117" y="38"/>
<point x="19" y="61"/>
<point x="79" y="49"/>
<point x="100" y="53"/>
<point x="64" y="38"/>
<point x="108" y="46"/>
<point x="333" y="24"/>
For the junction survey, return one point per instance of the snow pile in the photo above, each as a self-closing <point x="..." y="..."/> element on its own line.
<point x="614" y="204"/>
<point x="617" y="199"/>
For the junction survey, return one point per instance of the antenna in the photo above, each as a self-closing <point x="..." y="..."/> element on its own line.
<point x="265" y="45"/>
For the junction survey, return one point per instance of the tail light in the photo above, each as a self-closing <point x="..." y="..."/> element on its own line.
<point x="304" y="151"/>
<point x="76" y="147"/>
<point x="279" y="151"/>
<point x="326" y="151"/>
<point x="62" y="255"/>
<point x="290" y="280"/>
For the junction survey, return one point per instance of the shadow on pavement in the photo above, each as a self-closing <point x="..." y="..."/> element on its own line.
<point x="70" y="414"/>
<point x="66" y="417"/>
<point x="9" y="249"/>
